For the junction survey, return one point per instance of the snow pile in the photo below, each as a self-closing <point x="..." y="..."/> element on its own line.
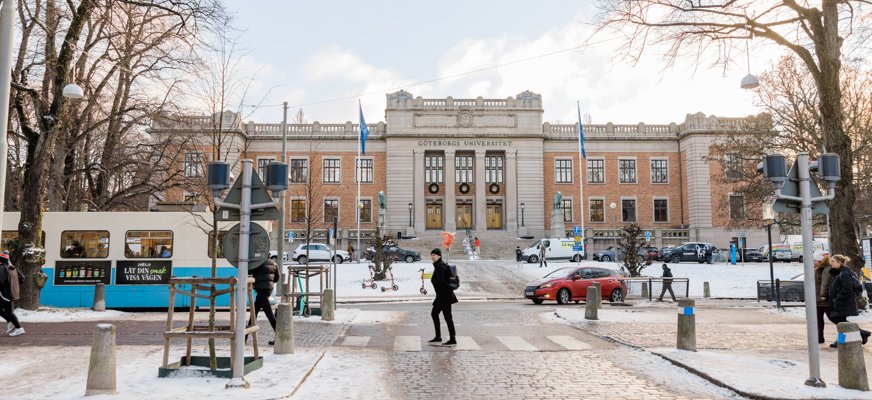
<point x="48" y="314"/>
<point x="576" y="315"/>
<point x="799" y="313"/>
<point x="378" y="317"/>
<point x="665" y="373"/>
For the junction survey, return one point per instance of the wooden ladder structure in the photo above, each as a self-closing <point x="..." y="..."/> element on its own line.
<point x="191" y="331"/>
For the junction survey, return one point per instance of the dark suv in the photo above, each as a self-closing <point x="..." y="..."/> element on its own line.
<point x="700" y="252"/>
<point x="396" y="253"/>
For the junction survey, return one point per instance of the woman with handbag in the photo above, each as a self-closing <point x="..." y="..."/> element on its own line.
<point x="842" y="300"/>
<point x="10" y="280"/>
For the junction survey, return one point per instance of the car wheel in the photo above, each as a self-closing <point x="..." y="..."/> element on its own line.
<point x="537" y="301"/>
<point x="617" y="296"/>
<point x="274" y="258"/>
<point x="563" y="296"/>
<point x="605" y="259"/>
<point x="302" y="259"/>
<point x="410" y="259"/>
<point x="800" y="259"/>
<point x="533" y="259"/>
<point x="337" y="259"/>
<point x="675" y="258"/>
<point x="576" y="258"/>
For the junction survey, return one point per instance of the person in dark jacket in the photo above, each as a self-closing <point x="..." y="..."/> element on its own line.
<point x="265" y="277"/>
<point x="10" y="280"/>
<point x="667" y="283"/>
<point x="821" y="289"/>
<point x="445" y="297"/>
<point x="842" y="300"/>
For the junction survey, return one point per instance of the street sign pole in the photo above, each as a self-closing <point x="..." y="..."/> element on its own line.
<point x="814" y="363"/>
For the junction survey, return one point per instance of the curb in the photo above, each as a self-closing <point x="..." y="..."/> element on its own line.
<point x="703" y="375"/>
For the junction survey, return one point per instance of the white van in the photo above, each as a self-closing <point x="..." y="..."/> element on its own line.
<point x="555" y="249"/>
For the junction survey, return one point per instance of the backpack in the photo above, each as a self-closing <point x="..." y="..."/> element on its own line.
<point x="453" y="279"/>
<point x="858" y="286"/>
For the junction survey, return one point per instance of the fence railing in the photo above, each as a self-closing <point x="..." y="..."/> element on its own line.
<point x="643" y="287"/>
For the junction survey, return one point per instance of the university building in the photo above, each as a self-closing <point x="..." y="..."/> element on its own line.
<point x="491" y="168"/>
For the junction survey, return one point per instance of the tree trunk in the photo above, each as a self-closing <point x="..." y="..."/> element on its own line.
<point x="30" y="224"/>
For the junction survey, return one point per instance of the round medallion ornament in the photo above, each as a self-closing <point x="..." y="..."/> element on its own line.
<point x="494" y="188"/>
<point x="464" y="119"/>
<point x="433" y="188"/>
<point x="464" y="188"/>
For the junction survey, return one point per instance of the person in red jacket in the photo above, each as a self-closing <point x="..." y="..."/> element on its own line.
<point x="477" y="246"/>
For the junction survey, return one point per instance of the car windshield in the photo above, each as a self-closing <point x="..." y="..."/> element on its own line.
<point x="560" y="273"/>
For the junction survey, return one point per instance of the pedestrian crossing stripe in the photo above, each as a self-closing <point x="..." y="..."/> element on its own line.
<point x="516" y="343"/>
<point x="407" y="343"/>
<point x="569" y="342"/>
<point x="356" y="341"/>
<point x="468" y="343"/>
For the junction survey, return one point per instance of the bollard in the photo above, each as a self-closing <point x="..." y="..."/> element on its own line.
<point x="327" y="305"/>
<point x="645" y="290"/>
<point x="284" y="342"/>
<point x="599" y="297"/>
<point x="100" y="297"/>
<point x="589" y="304"/>
<point x="706" y="292"/>
<point x="852" y="366"/>
<point x="686" y="325"/>
<point x="101" y="368"/>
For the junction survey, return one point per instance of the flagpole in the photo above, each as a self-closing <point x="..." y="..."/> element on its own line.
<point x="581" y="162"/>
<point x="357" y="175"/>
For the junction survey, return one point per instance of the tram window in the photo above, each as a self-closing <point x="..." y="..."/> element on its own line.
<point x="220" y="244"/>
<point x="148" y="244"/>
<point x="8" y="240"/>
<point x="85" y="244"/>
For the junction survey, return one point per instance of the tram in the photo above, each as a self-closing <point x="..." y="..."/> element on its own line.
<point x="132" y="253"/>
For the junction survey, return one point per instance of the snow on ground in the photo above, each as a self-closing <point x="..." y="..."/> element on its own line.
<point x="799" y="313"/>
<point x="378" y="317"/>
<point x="665" y="373"/>
<point x="778" y="375"/>
<point x="622" y="314"/>
<point x="49" y="314"/>
<point x="347" y="374"/>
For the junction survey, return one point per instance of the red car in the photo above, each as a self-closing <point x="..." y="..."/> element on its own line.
<point x="571" y="283"/>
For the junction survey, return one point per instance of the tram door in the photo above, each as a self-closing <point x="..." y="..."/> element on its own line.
<point x="495" y="216"/>
<point x="434" y="216"/>
<point x="464" y="216"/>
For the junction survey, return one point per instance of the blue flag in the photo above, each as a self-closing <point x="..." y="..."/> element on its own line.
<point x="580" y="133"/>
<point x="364" y="131"/>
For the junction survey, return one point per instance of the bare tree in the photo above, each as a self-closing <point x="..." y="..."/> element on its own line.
<point x="711" y="30"/>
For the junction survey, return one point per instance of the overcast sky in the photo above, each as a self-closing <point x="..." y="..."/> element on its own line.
<point x="322" y="56"/>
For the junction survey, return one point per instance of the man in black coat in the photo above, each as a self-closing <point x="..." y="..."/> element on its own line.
<point x="445" y="297"/>
<point x="667" y="283"/>
<point x="265" y="277"/>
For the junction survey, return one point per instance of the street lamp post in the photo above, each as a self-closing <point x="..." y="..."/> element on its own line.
<point x="769" y="220"/>
<point x="410" y="214"/>
<point x="522" y="214"/>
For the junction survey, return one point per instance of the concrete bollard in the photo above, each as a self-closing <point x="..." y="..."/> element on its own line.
<point x="327" y="305"/>
<point x="706" y="292"/>
<point x="284" y="342"/>
<point x="100" y="297"/>
<point x="599" y="297"/>
<point x="590" y="304"/>
<point x="101" y="368"/>
<point x="852" y="366"/>
<point x="645" y="290"/>
<point x="686" y="325"/>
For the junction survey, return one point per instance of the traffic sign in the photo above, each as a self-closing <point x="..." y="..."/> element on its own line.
<point x="259" y="195"/>
<point x="290" y="236"/>
<point x="576" y="231"/>
<point x="791" y="188"/>
<point x="258" y="246"/>
<point x="578" y="239"/>
<point x="578" y="247"/>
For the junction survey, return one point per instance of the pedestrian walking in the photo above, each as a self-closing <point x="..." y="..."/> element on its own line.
<point x="542" y="250"/>
<point x="841" y="295"/>
<point x="350" y="250"/>
<point x="667" y="283"/>
<point x="265" y="278"/>
<point x="10" y="279"/>
<point x="821" y="288"/>
<point x="519" y="255"/>
<point x="477" y="243"/>
<point x="445" y="297"/>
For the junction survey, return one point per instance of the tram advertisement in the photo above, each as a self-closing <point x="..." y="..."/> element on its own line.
<point x="143" y="272"/>
<point x="82" y="272"/>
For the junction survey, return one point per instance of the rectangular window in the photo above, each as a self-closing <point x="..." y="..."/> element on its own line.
<point x="193" y="164"/>
<point x="85" y="244"/>
<point x="627" y="171"/>
<point x="331" y="209"/>
<point x="597" y="210"/>
<point x="463" y="169"/>
<point x="563" y="171"/>
<point x="433" y="169"/>
<point x="331" y="170"/>
<point x="366" y="210"/>
<point x="148" y="244"/>
<point x="298" y="210"/>
<point x="261" y="167"/>
<point x="737" y="207"/>
<point x="493" y="169"/>
<point x="596" y="171"/>
<point x="567" y="210"/>
<point x="628" y="210"/>
<point x="733" y="166"/>
<point x="659" y="171"/>
<point x="209" y="248"/>
<point x="299" y="171"/>
<point x="661" y="210"/>
<point x="364" y="170"/>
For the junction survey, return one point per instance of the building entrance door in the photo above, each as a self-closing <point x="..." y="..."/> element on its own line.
<point x="495" y="216"/>
<point x="464" y="216"/>
<point x="434" y="216"/>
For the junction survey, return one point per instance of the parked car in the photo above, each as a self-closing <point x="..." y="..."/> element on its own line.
<point x="274" y="254"/>
<point x="614" y="253"/>
<point x="753" y="255"/>
<point x="784" y="255"/>
<point x="664" y="250"/>
<point x="651" y="253"/>
<point x="571" y="283"/>
<point x="555" y="249"/>
<point x="319" y="252"/>
<point x="789" y="290"/>
<point x="396" y="252"/>
<point x="700" y="252"/>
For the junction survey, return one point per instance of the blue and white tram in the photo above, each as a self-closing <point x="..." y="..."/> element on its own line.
<point x="132" y="253"/>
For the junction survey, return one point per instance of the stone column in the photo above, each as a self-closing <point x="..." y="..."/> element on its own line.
<point x="420" y="204"/>
<point x="511" y="191"/>
<point x="480" y="193"/>
<point x="450" y="207"/>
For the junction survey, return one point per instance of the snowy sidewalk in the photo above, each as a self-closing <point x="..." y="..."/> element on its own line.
<point x="754" y="350"/>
